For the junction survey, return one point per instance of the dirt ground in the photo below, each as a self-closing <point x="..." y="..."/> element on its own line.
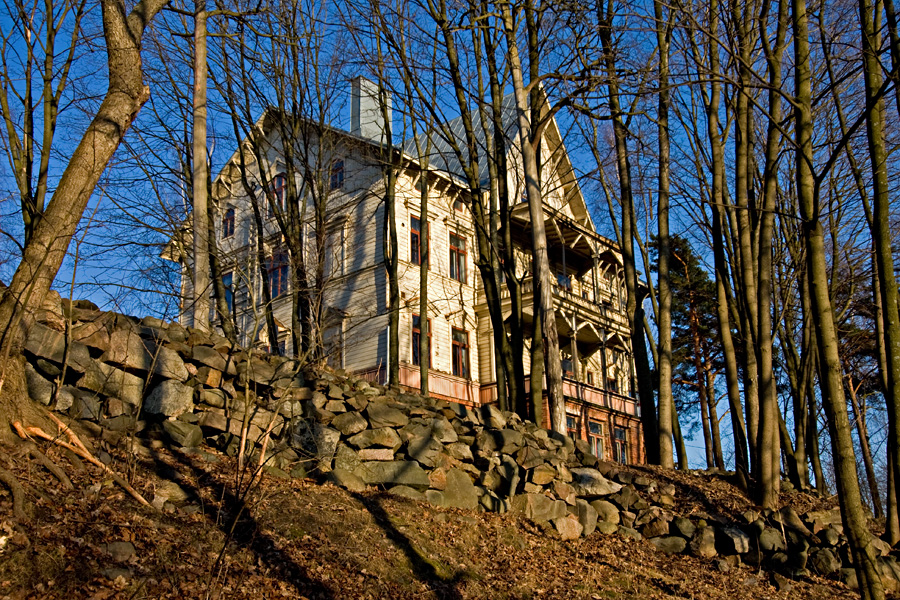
<point x="299" y="539"/>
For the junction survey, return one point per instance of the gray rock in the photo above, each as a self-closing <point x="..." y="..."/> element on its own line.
<point x="830" y="536"/>
<point x="127" y="349"/>
<point x="703" y="543"/>
<point x="442" y="431"/>
<point x="682" y="527"/>
<point x="383" y="437"/>
<point x="542" y="474"/>
<point x="781" y="583"/>
<point x="606" y="511"/>
<point x="382" y="415"/>
<point x="183" y="434"/>
<point x="376" y="454"/>
<point x="51" y="344"/>
<point x="656" y="527"/>
<point x="587" y="516"/>
<point x="170" y="398"/>
<point x="349" y="423"/>
<point x="670" y="544"/>
<point x="492" y="417"/>
<point x="538" y="507"/>
<point x="589" y="483"/>
<point x="771" y="540"/>
<point x="120" y="550"/>
<point x="731" y="540"/>
<point x="625" y="498"/>
<point x="628" y="532"/>
<point x="346" y="458"/>
<point x="214" y="398"/>
<point x="347" y="480"/>
<point x="607" y="528"/>
<point x="404" y="491"/>
<point x="460" y="492"/>
<point x="318" y="441"/>
<point x="824" y="562"/>
<point x="394" y="473"/>
<point x="509" y="472"/>
<point x="461" y="452"/>
<point x="529" y="457"/>
<point x="110" y="381"/>
<point x="569" y="527"/>
<point x="39" y="389"/>
<point x="435" y="497"/>
<point x="212" y="358"/>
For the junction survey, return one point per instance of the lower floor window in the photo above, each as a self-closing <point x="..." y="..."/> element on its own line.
<point x="596" y="439"/>
<point x="572" y="428"/>
<point x="620" y="445"/>
<point x="460" y="352"/>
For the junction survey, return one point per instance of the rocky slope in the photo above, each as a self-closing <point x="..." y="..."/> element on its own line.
<point x="157" y="388"/>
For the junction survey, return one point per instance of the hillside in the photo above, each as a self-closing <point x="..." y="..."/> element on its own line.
<point x="297" y="538"/>
<point x="362" y="492"/>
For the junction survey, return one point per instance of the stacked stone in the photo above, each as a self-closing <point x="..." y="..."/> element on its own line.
<point x="182" y="386"/>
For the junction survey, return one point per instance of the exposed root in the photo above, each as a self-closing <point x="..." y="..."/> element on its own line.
<point x="51" y="466"/>
<point x="78" y="448"/>
<point x="18" y="494"/>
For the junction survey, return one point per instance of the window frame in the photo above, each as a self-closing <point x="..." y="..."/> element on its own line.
<point x="597" y="439"/>
<point x="620" y="444"/>
<point x="278" y="187"/>
<point x="278" y="263"/>
<point x="573" y="427"/>
<point x="228" y="223"/>
<point x="460" y="366"/>
<point x="415" y="245"/>
<point x="458" y="258"/>
<point x="416" y="330"/>
<point x="336" y="180"/>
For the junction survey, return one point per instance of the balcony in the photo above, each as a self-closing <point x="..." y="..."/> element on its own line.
<point x="440" y="385"/>
<point x="577" y="391"/>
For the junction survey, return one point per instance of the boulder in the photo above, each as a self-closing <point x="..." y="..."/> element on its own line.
<point x="542" y="474"/>
<point x="655" y="527"/>
<point x="170" y="398"/>
<point x="492" y="417"/>
<point x="703" y="543"/>
<point x="425" y="450"/>
<point x="349" y="423"/>
<point x="318" y="441"/>
<point x="382" y="415"/>
<point x="682" y="527"/>
<point x="587" y="516"/>
<point x="394" y="473"/>
<point x="127" y="349"/>
<point x="404" y="491"/>
<point x="50" y="344"/>
<point x="347" y="480"/>
<point x="383" y="437"/>
<point x="606" y="511"/>
<point x="625" y="498"/>
<point x="771" y="540"/>
<point x="538" y="507"/>
<point x="529" y="457"/>
<point x="824" y="562"/>
<point x="459" y="491"/>
<point x="589" y="483"/>
<point x="110" y="381"/>
<point x="569" y="527"/>
<point x="508" y="441"/>
<point x="39" y="389"/>
<point x="670" y="544"/>
<point x="346" y="458"/>
<point x="211" y="357"/>
<point x="186" y="435"/>
<point x="731" y="541"/>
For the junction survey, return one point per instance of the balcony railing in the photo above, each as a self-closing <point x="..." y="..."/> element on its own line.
<point x="579" y="391"/>
<point x="568" y="297"/>
<point x="440" y="385"/>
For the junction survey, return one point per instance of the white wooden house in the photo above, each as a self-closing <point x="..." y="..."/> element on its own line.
<point x="353" y="299"/>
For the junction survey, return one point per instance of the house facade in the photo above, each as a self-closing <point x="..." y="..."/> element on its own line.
<point x="349" y="282"/>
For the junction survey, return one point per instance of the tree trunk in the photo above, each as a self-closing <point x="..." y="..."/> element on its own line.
<point x="830" y="375"/>
<point x="200" y="175"/>
<point x="881" y="227"/>
<point x="45" y="251"/>
<point x="543" y="287"/>
<point x="862" y="432"/>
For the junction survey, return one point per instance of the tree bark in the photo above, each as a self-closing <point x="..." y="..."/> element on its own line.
<point x="200" y="213"/>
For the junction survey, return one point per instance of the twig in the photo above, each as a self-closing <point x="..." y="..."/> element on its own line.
<point x="78" y="448"/>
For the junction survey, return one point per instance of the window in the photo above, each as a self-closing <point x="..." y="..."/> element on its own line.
<point x="228" y="223"/>
<point x="277" y="198"/>
<point x="457" y="205"/>
<point x="620" y="445"/>
<point x="572" y="428"/>
<point x="612" y="384"/>
<point x="589" y="377"/>
<point x="416" y="336"/>
<point x="458" y="258"/>
<point x="567" y="367"/>
<point x="335" y="253"/>
<point x="596" y="439"/>
<point x="337" y="175"/>
<point x="460" y="353"/>
<point x="277" y="268"/>
<point x="333" y="342"/>
<point x="415" y="231"/>
<point x="228" y="281"/>
<point x="564" y="281"/>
